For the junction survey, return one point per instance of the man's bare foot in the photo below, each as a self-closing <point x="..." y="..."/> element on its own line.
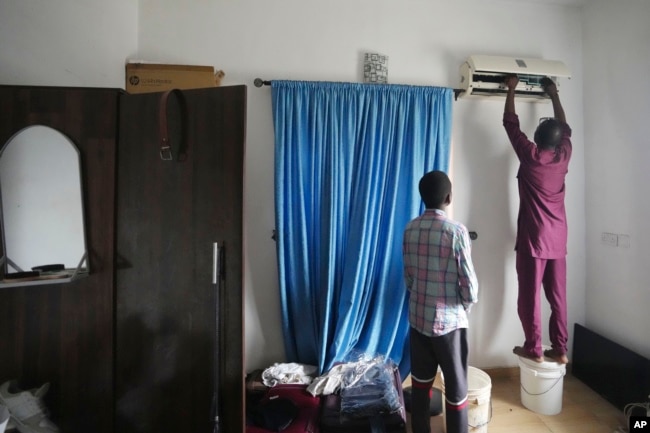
<point x="556" y="356"/>
<point x="518" y="350"/>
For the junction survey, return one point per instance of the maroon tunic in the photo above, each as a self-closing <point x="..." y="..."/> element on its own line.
<point x="541" y="224"/>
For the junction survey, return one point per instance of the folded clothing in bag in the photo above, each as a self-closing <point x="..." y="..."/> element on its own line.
<point x="371" y="399"/>
<point x="370" y="393"/>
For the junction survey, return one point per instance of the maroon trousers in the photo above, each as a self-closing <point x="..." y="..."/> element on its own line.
<point x="533" y="273"/>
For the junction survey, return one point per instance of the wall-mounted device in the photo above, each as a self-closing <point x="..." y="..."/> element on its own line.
<point x="483" y="76"/>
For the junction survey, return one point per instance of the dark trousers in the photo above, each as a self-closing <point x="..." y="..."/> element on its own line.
<point x="450" y="352"/>
<point x="533" y="273"/>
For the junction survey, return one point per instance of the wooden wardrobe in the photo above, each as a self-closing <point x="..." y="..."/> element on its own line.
<point x="134" y="346"/>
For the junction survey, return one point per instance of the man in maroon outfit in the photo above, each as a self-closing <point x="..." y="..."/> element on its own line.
<point x="541" y="224"/>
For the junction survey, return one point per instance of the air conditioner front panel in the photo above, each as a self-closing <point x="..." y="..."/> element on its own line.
<point x="518" y="65"/>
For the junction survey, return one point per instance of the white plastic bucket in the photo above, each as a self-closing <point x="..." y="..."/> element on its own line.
<point x="479" y="412"/>
<point x="541" y="385"/>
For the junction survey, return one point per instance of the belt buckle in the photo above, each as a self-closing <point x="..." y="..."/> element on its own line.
<point x="166" y="153"/>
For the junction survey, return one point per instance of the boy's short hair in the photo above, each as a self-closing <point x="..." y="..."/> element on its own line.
<point x="434" y="188"/>
<point x="548" y="134"/>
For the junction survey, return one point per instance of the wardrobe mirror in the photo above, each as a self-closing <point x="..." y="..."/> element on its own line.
<point x="43" y="230"/>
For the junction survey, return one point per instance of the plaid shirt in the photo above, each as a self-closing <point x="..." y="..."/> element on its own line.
<point x="439" y="273"/>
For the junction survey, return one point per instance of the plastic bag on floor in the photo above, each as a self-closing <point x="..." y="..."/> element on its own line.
<point x="369" y="390"/>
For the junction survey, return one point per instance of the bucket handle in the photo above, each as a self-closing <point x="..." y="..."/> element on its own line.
<point x="489" y="416"/>
<point x="542" y="393"/>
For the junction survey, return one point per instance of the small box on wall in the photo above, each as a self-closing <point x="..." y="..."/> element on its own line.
<point x="156" y="77"/>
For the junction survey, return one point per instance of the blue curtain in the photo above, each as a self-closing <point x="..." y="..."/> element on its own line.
<point x="348" y="159"/>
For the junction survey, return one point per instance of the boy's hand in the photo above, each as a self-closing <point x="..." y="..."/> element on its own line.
<point x="511" y="81"/>
<point x="549" y="86"/>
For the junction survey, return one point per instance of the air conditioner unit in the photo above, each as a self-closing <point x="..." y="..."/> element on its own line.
<point x="483" y="76"/>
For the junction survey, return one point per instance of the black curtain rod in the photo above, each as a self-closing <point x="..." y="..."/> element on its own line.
<point x="259" y="83"/>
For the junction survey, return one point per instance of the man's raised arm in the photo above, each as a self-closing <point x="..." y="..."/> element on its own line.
<point x="511" y="82"/>
<point x="551" y="90"/>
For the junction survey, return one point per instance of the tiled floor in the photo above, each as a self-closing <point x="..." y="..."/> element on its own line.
<point x="583" y="411"/>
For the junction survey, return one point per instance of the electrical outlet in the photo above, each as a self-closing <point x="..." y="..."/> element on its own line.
<point x="610" y="239"/>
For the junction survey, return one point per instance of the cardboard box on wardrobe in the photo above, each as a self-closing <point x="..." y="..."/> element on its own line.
<point x="156" y="77"/>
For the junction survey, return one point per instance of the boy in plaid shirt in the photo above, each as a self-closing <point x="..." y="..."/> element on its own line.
<point x="442" y="287"/>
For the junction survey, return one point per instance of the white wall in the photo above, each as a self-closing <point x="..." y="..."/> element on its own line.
<point x="66" y="42"/>
<point x="69" y="43"/>
<point x="426" y="40"/>
<point x="617" y="110"/>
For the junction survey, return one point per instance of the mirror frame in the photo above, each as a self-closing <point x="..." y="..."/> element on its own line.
<point x="52" y="277"/>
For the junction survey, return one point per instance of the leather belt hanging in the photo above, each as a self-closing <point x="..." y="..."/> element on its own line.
<point x="166" y="148"/>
